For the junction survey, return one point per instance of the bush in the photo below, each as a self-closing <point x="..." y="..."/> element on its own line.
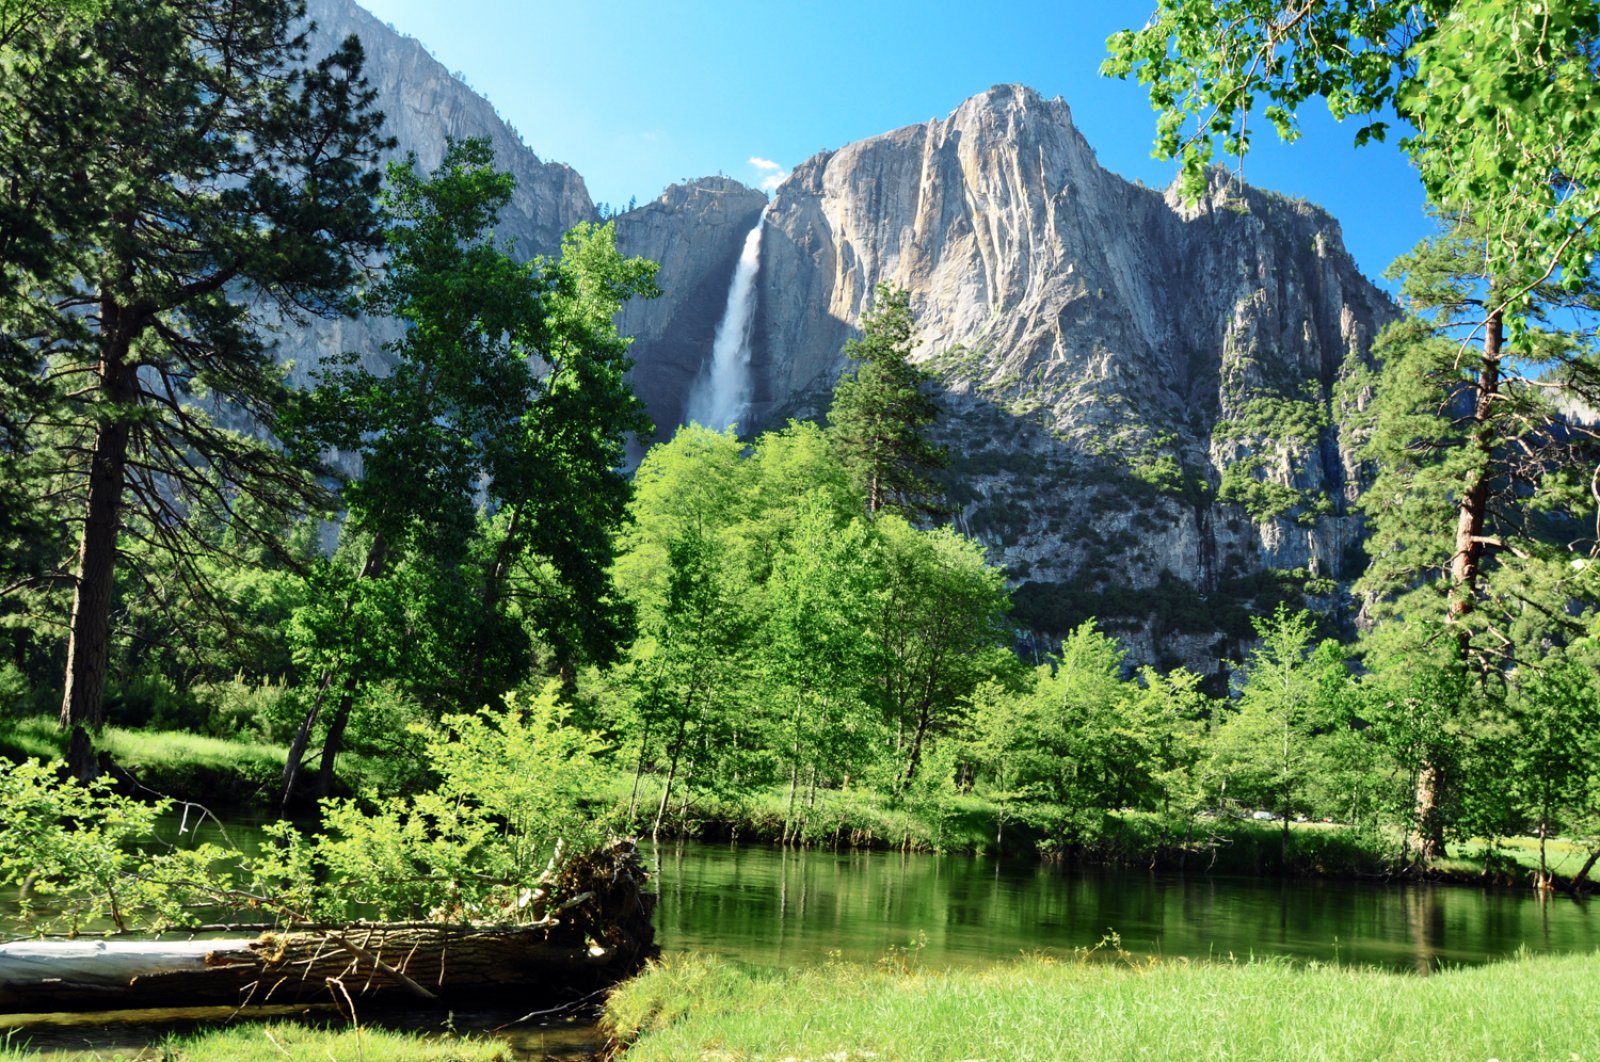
<point x="236" y="708"/>
<point x="150" y="699"/>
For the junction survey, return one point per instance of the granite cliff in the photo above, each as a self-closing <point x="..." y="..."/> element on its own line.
<point x="424" y="107"/>
<point x="1142" y="395"/>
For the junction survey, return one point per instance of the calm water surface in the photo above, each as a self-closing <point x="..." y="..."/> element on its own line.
<point x="771" y="907"/>
<point x="783" y="908"/>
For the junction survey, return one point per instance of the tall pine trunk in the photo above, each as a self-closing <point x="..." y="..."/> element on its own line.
<point x="89" y="634"/>
<point x="1465" y="564"/>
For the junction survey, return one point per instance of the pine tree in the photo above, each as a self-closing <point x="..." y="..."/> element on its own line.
<point x="882" y="409"/>
<point x="1483" y="496"/>
<point x="184" y="157"/>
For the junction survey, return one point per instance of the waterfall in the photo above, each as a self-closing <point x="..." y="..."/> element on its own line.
<point x="721" y="394"/>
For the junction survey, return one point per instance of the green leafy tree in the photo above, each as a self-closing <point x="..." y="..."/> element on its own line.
<point x="1078" y="740"/>
<point x="784" y="465"/>
<point x="882" y="409"/>
<point x="679" y="564"/>
<point x="814" y="653"/>
<point x="1507" y="136"/>
<point x="1062" y="745"/>
<point x="940" y="627"/>
<point x="206" y="160"/>
<point x="508" y="380"/>
<point x="689" y="486"/>
<point x="1168" y="712"/>
<point x="1555" y="717"/>
<point x="1269" y="747"/>
<point x="461" y="375"/>
<point x="1481" y="477"/>
<point x="692" y="662"/>
<point x="558" y="474"/>
<point x="1504" y="141"/>
<point x="39" y="203"/>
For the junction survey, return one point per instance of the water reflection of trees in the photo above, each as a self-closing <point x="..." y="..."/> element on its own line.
<point x="788" y="906"/>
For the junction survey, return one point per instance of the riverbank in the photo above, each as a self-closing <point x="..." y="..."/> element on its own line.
<point x="224" y="774"/>
<point x="701" y="1008"/>
<point x="236" y="775"/>
<point x="972" y="824"/>
<point x="275" y="1041"/>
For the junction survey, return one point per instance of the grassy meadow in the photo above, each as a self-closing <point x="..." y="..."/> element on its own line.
<point x="700" y="1008"/>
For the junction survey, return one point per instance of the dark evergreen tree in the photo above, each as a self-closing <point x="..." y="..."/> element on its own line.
<point x="37" y="201"/>
<point x="193" y="170"/>
<point x="881" y="411"/>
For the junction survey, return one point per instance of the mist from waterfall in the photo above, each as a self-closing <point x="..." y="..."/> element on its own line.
<point x="721" y="394"/>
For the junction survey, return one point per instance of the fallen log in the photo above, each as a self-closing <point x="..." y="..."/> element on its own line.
<point x="599" y="936"/>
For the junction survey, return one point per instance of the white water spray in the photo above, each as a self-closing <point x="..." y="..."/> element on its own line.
<point x="721" y="395"/>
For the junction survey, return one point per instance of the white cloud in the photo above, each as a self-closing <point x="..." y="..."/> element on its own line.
<point x="773" y="174"/>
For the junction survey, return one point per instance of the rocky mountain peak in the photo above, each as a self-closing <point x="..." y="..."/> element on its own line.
<point x="1139" y="392"/>
<point x="425" y="106"/>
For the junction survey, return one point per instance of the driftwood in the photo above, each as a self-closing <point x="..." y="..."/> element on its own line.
<point x="598" y="936"/>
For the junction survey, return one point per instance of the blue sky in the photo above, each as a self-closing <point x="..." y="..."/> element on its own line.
<point x="638" y="95"/>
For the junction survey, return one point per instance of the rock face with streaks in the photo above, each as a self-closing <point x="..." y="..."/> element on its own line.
<point x="695" y="231"/>
<point x="425" y="107"/>
<point x="1141" y="396"/>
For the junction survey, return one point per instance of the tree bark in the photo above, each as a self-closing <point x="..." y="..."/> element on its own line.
<point x="638" y="771"/>
<point x="286" y="968"/>
<point x="88" y="640"/>
<point x="334" y="740"/>
<point x="1428" y="825"/>
<point x="914" y="758"/>
<point x="302" y="741"/>
<point x="1472" y="509"/>
<point x="1580" y="879"/>
<point x="672" y="774"/>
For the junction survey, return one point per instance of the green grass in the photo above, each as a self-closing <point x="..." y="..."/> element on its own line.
<point x="34" y="738"/>
<point x="1516" y="858"/>
<point x="276" y="1041"/>
<point x="39" y="737"/>
<point x="699" y="1008"/>
<point x="154" y="748"/>
<point x="214" y="771"/>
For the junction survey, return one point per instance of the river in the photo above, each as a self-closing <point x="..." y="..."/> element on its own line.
<point x="776" y="907"/>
